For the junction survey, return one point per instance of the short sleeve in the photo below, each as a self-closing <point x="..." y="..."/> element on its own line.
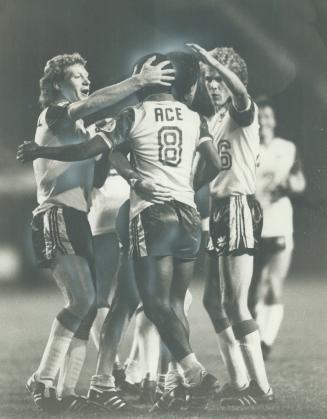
<point x="204" y="131"/>
<point x="242" y="118"/>
<point x="57" y="117"/>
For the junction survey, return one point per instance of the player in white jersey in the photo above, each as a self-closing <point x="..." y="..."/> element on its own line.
<point x="235" y="225"/>
<point x="162" y="134"/>
<point x="279" y="176"/>
<point x="61" y="233"/>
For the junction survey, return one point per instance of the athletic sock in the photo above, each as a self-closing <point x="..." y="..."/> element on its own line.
<point x="102" y="382"/>
<point x="174" y="376"/>
<point x="133" y="372"/>
<point x="97" y="325"/>
<point x="248" y="335"/>
<point x="72" y="367"/>
<point x="149" y="346"/>
<point x="233" y="359"/>
<point x="54" y="353"/>
<point x="193" y="369"/>
<point x="274" y="318"/>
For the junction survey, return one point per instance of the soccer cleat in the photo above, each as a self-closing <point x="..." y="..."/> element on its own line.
<point x="148" y="392"/>
<point x="130" y="389"/>
<point x="109" y="399"/>
<point x="250" y="396"/>
<point x="200" y="394"/>
<point x="226" y="391"/>
<point x="171" y="400"/>
<point x="160" y="388"/>
<point x="266" y="349"/>
<point x="44" y="397"/>
<point x="79" y="404"/>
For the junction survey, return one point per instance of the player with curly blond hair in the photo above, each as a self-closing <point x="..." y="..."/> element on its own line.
<point x="61" y="233"/>
<point x="235" y="225"/>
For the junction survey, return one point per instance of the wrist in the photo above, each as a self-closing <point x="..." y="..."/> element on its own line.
<point x="138" y="81"/>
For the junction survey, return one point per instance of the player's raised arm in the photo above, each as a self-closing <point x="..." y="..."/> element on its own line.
<point x="239" y="92"/>
<point x="110" y="95"/>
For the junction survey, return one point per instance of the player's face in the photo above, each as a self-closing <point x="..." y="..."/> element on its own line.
<point x="266" y="119"/>
<point x="76" y="83"/>
<point x="217" y="89"/>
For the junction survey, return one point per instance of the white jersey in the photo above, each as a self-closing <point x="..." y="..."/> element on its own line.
<point x="163" y="137"/>
<point x="276" y="162"/>
<point x="62" y="183"/>
<point x="236" y="136"/>
<point x="106" y="202"/>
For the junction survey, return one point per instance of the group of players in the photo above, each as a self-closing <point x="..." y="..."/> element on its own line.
<point x="195" y="125"/>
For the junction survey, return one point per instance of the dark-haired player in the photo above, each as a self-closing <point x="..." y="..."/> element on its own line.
<point x="235" y="225"/>
<point x="279" y="176"/>
<point x="162" y="134"/>
<point x="61" y="233"/>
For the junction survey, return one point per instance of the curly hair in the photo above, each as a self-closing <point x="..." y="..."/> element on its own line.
<point x="54" y="72"/>
<point x="232" y="60"/>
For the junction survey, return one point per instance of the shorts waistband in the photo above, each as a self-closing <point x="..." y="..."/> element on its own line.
<point x="225" y="200"/>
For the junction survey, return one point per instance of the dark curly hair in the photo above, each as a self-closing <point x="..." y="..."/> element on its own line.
<point x="54" y="72"/>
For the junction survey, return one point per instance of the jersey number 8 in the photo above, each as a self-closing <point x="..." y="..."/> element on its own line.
<point x="170" y="146"/>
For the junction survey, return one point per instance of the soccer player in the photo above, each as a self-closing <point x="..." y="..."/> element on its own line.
<point x="235" y="225"/>
<point x="162" y="134"/>
<point x="61" y="233"/>
<point x="279" y="176"/>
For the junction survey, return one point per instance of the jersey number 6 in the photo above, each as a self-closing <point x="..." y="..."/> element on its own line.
<point x="170" y="146"/>
<point x="225" y="157"/>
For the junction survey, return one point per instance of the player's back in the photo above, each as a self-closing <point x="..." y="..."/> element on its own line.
<point x="164" y="138"/>
<point x="65" y="183"/>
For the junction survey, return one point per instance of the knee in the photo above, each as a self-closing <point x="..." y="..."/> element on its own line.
<point x="237" y="310"/>
<point x="157" y="310"/>
<point x="84" y="304"/>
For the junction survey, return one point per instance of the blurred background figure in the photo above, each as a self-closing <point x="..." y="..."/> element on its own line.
<point x="279" y="177"/>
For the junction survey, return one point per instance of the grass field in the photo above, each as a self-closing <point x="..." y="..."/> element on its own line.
<point x="297" y="370"/>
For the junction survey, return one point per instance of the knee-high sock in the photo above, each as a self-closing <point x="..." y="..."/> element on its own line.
<point x="149" y="345"/>
<point x="274" y="318"/>
<point x="261" y="316"/>
<point x="55" y="351"/>
<point x="231" y="354"/>
<point x="72" y="368"/>
<point x="97" y="325"/>
<point x="248" y="334"/>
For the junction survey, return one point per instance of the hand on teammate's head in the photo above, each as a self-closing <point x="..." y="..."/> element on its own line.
<point x="156" y="74"/>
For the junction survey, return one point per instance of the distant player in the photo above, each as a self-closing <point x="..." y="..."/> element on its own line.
<point x="235" y="225"/>
<point x="279" y="176"/>
<point x="61" y="233"/>
<point x="162" y="134"/>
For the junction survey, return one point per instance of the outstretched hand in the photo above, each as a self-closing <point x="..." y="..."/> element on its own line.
<point x="156" y="74"/>
<point x="28" y="151"/>
<point x="152" y="191"/>
<point x="203" y="54"/>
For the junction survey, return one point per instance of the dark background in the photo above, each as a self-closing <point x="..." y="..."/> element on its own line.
<point x="284" y="43"/>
